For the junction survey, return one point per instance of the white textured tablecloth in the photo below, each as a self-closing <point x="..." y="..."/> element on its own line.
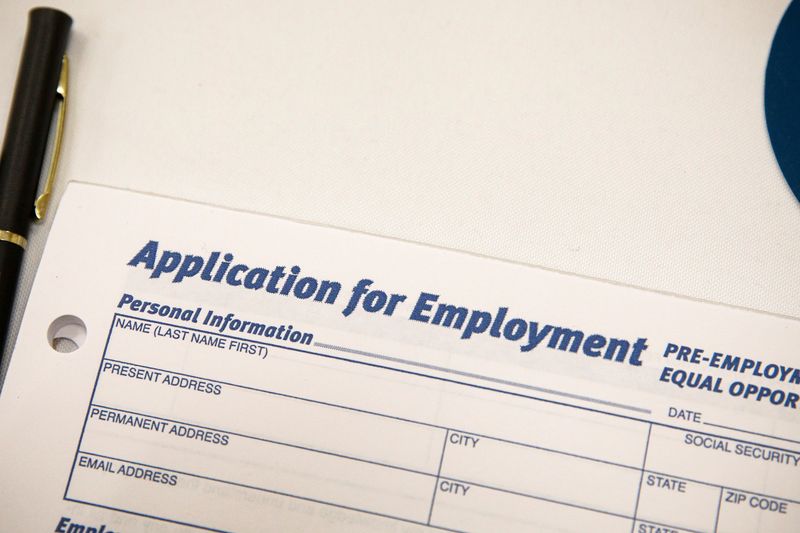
<point x="619" y="140"/>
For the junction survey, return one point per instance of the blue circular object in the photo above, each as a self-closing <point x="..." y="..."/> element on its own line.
<point x="782" y="96"/>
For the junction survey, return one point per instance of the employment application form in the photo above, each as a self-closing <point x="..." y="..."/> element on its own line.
<point x="237" y="372"/>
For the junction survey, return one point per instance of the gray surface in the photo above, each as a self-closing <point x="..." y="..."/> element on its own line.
<point x="617" y="140"/>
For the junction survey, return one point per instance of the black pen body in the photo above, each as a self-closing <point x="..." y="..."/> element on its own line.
<point x="10" y="263"/>
<point x="25" y="143"/>
<point x="30" y="116"/>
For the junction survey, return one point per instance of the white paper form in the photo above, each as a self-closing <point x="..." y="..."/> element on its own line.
<point x="247" y="373"/>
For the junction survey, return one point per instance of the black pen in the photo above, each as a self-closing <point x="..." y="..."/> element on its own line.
<point x="41" y="83"/>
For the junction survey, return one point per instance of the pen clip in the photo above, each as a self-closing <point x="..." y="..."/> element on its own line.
<point x="42" y="202"/>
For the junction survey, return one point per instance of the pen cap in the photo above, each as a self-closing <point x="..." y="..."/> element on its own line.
<point x="30" y="116"/>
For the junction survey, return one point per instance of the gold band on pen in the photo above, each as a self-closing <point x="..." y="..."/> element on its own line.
<point x="41" y="204"/>
<point x="13" y="238"/>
